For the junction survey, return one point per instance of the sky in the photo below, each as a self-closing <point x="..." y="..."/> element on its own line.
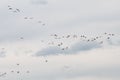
<point x="59" y="40"/>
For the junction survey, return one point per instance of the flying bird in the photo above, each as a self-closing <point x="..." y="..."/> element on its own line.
<point x="18" y="10"/>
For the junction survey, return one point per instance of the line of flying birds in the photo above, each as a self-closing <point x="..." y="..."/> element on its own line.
<point x="17" y="10"/>
<point x="84" y="38"/>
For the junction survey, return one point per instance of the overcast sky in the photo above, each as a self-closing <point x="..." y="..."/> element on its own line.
<point x="26" y="27"/>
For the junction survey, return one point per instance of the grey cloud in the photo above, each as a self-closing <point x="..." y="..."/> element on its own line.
<point x="84" y="46"/>
<point x="75" y="48"/>
<point x="79" y="47"/>
<point x="49" y="51"/>
<point x="2" y="53"/>
<point x="115" y="41"/>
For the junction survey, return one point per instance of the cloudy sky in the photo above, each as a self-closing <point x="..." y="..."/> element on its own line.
<point x="59" y="40"/>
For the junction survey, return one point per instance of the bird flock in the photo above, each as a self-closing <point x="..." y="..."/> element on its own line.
<point x="17" y="10"/>
<point x="14" y="10"/>
<point x="63" y="37"/>
<point x="60" y="40"/>
<point x="13" y="72"/>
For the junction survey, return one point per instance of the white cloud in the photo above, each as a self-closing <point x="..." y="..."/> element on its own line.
<point x="101" y="63"/>
<point x="78" y="16"/>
